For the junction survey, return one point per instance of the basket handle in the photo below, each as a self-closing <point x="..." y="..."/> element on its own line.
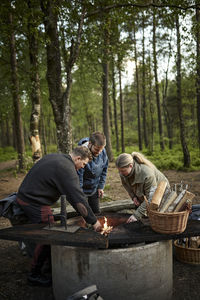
<point x="146" y="201"/>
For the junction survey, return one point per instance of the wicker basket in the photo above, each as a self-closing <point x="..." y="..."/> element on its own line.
<point x="187" y="255"/>
<point x="168" y="223"/>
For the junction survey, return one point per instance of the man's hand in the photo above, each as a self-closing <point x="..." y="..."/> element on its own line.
<point x="131" y="219"/>
<point x="100" y="193"/>
<point x="97" y="226"/>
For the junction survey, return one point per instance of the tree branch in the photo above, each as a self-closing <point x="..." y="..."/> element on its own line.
<point x="115" y="6"/>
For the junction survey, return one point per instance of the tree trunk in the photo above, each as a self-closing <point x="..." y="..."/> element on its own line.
<point x="121" y="110"/>
<point x="8" y="138"/>
<point x="111" y="117"/>
<point x="168" y="119"/>
<point x="138" y="96"/>
<point x="105" y="81"/>
<point x="151" y="108"/>
<point x="115" y="106"/>
<point x="198" y="70"/>
<point x="35" y="85"/>
<point x="16" y="100"/>
<point x="168" y="122"/>
<point x="157" y="84"/>
<point x="3" y="144"/>
<point x="186" y="153"/>
<point x="144" y="104"/>
<point x="106" y="122"/>
<point x="43" y="130"/>
<point x="60" y="101"/>
<point x="54" y="70"/>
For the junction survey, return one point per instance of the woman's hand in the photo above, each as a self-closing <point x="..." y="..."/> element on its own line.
<point x="97" y="226"/>
<point x="131" y="219"/>
<point x="135" y="201"/>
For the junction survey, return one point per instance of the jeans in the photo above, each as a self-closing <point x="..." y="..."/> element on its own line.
<point x="38" y="214"/>
<point x="94" y="203"/>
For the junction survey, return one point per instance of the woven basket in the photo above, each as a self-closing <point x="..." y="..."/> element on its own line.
<point x="168" y="223"/>
<point x="187" y="255"/>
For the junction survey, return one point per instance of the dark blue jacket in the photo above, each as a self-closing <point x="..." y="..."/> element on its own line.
<point x="93" y="176"/>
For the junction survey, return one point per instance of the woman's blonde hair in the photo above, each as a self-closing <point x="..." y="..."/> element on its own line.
<point x="125" y="159"/>
<point x="141" y="159"/>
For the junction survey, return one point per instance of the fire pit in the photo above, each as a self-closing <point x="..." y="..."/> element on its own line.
<point x="121" y="272"/>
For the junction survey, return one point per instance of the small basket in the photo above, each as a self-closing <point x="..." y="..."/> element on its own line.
<point x="168" y="223"/>
<point x="187" y="255"/>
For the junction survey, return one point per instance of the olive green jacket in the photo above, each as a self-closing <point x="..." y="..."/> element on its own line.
<point x="142" y="181"/>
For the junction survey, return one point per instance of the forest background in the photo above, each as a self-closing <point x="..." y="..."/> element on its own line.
<point x="63" y="65"/>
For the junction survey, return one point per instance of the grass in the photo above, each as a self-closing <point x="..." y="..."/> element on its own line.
<point x="164" y="160"/>
<point x="169" y="159"/>
<point x="7" y="153"/>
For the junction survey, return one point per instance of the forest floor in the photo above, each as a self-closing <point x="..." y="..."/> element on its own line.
<point x="14" y="267"/>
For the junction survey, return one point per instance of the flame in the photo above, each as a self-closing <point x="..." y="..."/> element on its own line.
<point x="106" y="229"/>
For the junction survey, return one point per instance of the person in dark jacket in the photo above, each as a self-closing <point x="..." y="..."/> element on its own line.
<point x="52" y="176"/>
<point x="93" y="176"/>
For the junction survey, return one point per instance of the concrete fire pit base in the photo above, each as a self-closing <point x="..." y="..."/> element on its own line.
<point x="136" y="272"/>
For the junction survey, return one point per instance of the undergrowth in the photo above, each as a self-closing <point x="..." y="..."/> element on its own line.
<point x="169" y="159"/>
<point x="164" y="160"/>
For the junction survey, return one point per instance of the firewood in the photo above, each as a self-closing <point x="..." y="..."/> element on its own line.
<point x="157" y="196"/>
<point x="176" y="201"/>
<point x="187" y="196"/>
<point x="195" y="242"/>
<point x="172" y="196"/>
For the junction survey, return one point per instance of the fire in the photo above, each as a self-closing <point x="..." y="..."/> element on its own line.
<point x="106" y="229"/>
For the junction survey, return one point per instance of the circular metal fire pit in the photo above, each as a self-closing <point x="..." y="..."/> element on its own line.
<point x="137" y="271"/>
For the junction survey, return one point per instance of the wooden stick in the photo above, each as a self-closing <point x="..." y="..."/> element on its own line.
<point x="146" y="201"/>
<point x="176" y="201"/>
<point x="187" y="196"/>
<point x="172" y="196"/>
<point x="157" y="196"/>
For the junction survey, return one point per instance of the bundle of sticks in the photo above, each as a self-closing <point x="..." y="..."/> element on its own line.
<point x="174" y="200"/>
<point x="191" y="242"/>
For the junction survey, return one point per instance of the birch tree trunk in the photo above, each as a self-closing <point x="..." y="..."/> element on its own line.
<point x="35" y="85"/>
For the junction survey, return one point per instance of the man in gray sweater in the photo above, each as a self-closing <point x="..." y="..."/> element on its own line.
<point x="52" y="176"/>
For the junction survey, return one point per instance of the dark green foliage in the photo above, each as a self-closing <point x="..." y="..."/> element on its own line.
<point x="118" y="19"/>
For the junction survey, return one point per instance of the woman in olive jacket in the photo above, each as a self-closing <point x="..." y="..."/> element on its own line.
<point x="140" y="178"/>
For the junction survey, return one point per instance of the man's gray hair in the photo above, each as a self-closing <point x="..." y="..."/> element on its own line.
<point x="83" y="152"/>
